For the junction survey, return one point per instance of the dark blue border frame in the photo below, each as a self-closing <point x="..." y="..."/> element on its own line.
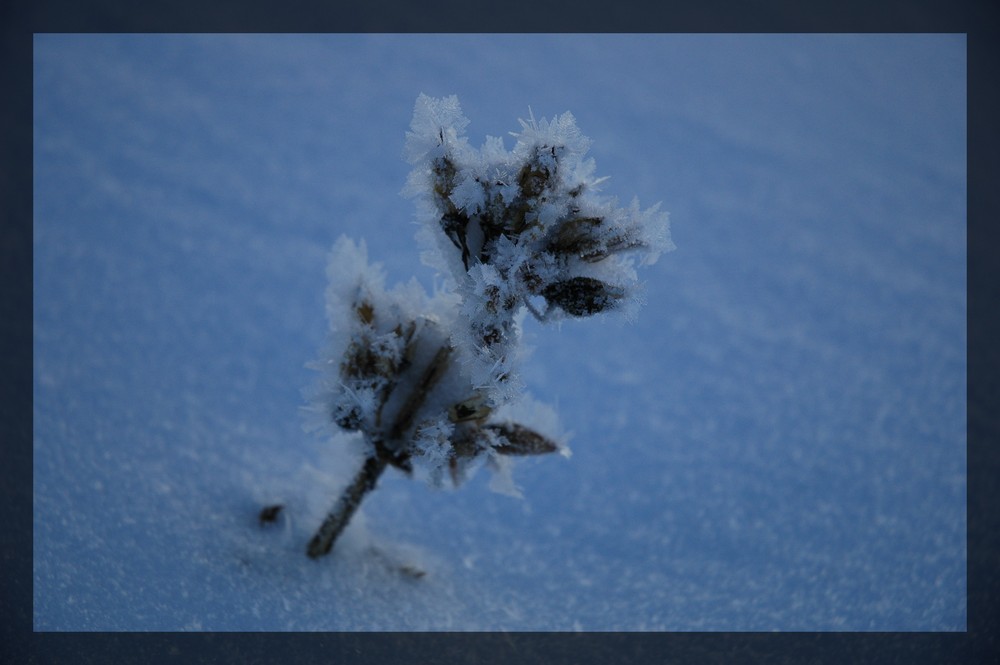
<point x="20" y="19"/>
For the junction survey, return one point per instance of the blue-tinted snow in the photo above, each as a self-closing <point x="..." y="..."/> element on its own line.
<point x="777" y="443"/>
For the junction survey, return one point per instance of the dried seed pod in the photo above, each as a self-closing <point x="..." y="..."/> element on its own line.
<point x="576" y="236"/>
<point x="454" y="222"/>
<point x="363" y="361"/>
<point x="585" y="238"/>
<point x="533" y="179"/>
<point x="444" y="177"/>
<point x="583" y="296"/>
<point x="365" y="311"/>
<point x="520" y="440"/>
<point x="611" y="246"/>
<point x="473" y="408"/>
<point x="380" y="357"/>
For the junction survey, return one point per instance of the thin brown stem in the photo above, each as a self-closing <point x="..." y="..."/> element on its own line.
<point x="343" y="510"/>
<point x="431" y="376"/>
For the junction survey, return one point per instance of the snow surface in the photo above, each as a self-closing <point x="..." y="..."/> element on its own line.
<point x="777" y="443"/>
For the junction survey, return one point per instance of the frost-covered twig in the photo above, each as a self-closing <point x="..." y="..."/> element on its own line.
<point x="348" y="502"/>
<point x="434" y="379"/>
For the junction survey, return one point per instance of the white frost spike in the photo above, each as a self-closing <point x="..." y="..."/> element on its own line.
<point x="347" y="270"/>
<point x="561" y="131"/>
<point x="437" y="123"/>
<point x="655" y="226"/>
<point x="469" y="196"/>
<point x="502" y="481"/>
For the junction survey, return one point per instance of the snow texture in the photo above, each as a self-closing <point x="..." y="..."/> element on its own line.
<point x="775" y="441"/>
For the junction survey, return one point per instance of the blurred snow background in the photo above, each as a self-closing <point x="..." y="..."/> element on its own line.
<point x="778" y="443"/>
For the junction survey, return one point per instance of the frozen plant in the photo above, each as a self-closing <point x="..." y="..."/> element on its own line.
<point x="430" y="383"/>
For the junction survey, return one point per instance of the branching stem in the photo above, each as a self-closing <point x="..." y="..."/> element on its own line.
<point x="365" y="480"/>
<point x="344" y="509"/>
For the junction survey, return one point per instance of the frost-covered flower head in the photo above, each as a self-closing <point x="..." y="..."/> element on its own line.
<point x="390" y="374"/>
<point x="524" y="229"/>
<point x="429" y="383"/>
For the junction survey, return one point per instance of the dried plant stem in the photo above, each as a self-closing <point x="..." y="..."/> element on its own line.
<point x="431" y="376"/>
<point x="344" y="509"/>
<point x="365" y="480"/>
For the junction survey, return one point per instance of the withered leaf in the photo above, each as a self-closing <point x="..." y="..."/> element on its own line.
<point x="520" y="440"/>
<point x="579" y="236"/>
<point x="576" y="235"/>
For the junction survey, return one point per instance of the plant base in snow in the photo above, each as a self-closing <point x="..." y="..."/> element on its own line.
<point x="349" y="501"/>
<point x="430" y="384"/>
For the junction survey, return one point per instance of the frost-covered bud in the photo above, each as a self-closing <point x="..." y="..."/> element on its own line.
<point x="472" y="441"/>
<point x="393" y="375"/>
<point x="592" y="239"/>
<point x="583" y="296"/>
<point x="533" y="179"/>
<point x="370" y="369"/>
<point x="515" y="439"/>
<point x="512" y="226"/>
